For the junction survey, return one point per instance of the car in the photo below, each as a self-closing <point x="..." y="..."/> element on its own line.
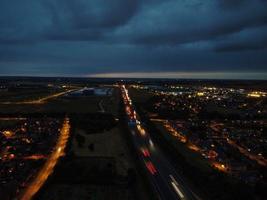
<point x="151" y="168"/>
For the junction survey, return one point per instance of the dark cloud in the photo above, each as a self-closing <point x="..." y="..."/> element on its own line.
<point x="181" y="22"/>
<point x="232" y="4"/>
<point x="81" y="36"/>
<point x="62" y="19"/>
<point x="247" y="40"/>
<point x="87" y="20"/>
<point x="235" y="47"/>
<point x="101" y="13"/>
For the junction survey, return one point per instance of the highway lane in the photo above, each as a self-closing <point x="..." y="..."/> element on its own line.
<point x="163" y="177"/>
<point x="157" y="180"/>
<point x="47" y="169"/>
<point x="169" y="172"/>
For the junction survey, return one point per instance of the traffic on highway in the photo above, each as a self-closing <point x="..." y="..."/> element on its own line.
<point x="166" y="182"/>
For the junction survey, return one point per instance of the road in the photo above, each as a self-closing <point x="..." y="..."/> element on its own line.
<point x="51" y="162"/>
<point x="39" y="101"/>
<point x="168" y="184"/>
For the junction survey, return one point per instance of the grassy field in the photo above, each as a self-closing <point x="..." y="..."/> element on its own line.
<point x="110" y="144"/>
<point x="8" y="123"/>
<point x="109" y="147"/>
<point x="26" y="94"/>
<point x="111" y="104"/>
<point x="140" y="96"/>
<point x="69" y="105"/>
<point x="107" y="144"/>
<point x="82" y="192"/>
<point x="79" y="105"/>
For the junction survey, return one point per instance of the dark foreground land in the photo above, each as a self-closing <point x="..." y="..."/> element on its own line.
<point x="211" y="133"/>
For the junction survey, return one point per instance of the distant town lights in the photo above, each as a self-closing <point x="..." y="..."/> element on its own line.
<point x="256" y="94"/>
<point x="8" y="134"/>
<point x="200" y="94"/>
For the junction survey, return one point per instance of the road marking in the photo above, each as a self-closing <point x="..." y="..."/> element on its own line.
<point x="175" y="186"/>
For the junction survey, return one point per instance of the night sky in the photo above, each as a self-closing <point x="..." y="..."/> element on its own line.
<point x="171" y="38"/>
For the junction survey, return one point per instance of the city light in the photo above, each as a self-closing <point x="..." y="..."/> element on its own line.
<point x="48" y="167"/>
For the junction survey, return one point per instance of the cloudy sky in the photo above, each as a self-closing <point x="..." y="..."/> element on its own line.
<point x="213" y="38"/>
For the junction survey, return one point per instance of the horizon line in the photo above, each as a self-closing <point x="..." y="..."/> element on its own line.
<point x="158" y="75"/>
<point x="184" y="75"/>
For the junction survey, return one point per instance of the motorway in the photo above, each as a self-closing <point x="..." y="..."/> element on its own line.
<point x="51" y="162"/>
<point x="167" y="183"/>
